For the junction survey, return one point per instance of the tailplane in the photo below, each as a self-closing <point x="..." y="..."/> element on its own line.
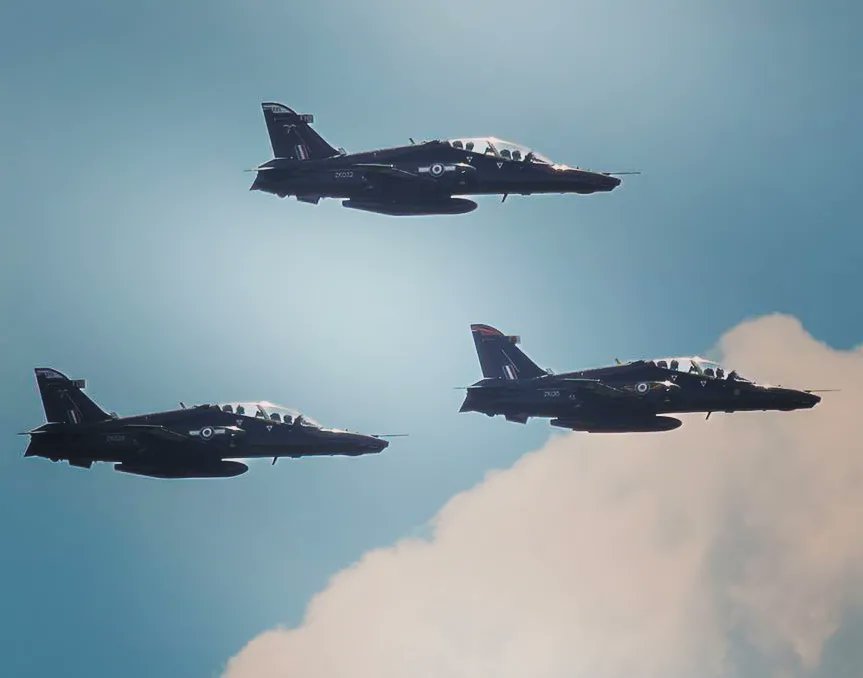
<point x="291" y="135"/>
<point x="499" y="356"/>
<point x="64" y="401"/>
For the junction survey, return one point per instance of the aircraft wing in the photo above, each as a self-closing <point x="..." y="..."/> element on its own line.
<point x="596" y="387"/>
<point x="635" y="396"/>
<point x="159" y="432"/>
<point x="169" y="435"/>
<point x="391" y="171"/>
<point x="427" y="175"/>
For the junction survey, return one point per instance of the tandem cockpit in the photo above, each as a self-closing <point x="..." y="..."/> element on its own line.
<point x="499" y="148"/>
<point x="698" y="365"/>
<point x="269" y="411"/>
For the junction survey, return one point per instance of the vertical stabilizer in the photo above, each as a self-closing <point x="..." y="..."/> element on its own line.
<point x="63" y="399"/>
<point x="292" y="136"/>
<point x="500" y="357"/>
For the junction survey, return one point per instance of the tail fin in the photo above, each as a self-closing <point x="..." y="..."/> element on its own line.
<point x="291" y="135"/>
<point x="499" y="356"/>
<point x="64" y="401"/>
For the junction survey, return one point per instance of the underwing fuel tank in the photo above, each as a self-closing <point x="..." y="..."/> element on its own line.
<point x="629" y="425"/>
<point x="221" y="469"/>
<point x="401" y="209"/>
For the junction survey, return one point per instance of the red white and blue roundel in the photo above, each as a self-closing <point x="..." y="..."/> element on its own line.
<point x="207" y="432"/>
<point x="436" y="169"/>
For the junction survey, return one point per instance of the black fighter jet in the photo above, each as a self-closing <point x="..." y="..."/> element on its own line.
<point x="622" y="398"/>
<point x="194" y="442"/>
<point x="416" y="179"/>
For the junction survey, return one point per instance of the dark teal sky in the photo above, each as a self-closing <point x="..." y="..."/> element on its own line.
<point x="133" y="255"/>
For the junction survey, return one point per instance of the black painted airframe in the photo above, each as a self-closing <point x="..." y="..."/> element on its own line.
<point x="621" y="398"/>
<point x="196" y="442"/>
<point x="422" y="178"/>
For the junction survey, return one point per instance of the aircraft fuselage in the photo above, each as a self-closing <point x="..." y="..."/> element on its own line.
<point x="645" y="390"/>
<point x="197" y="442"/>
<point x="431" y="171"/>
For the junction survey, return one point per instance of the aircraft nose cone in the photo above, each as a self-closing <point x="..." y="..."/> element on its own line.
<point x="810" y="399"/>
<point x="369" y="444"/>
<point x="378" y="444"/>
<point x="605" y="182"/>
<point x="797" y="400"/>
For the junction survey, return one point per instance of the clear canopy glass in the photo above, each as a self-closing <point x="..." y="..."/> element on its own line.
<point x="499" y="148"/>
<point x="698" y="365"/>
<point x="267" y="410"/>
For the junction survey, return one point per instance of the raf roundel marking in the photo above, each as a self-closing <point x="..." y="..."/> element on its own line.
<point x="207" y="432"/>
<point x="437" y="169"/>
<point x="642" y="387"/>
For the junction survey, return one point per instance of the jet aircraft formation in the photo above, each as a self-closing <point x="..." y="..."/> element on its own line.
<point x="431" y="177"/>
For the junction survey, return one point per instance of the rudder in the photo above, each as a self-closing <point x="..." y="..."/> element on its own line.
<point x="291" y="136"/>
<point x="63" y="399"/>
<point x="499" y="357"/>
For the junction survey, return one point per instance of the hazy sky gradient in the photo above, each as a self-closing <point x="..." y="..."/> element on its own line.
<point x="134" y="256"/>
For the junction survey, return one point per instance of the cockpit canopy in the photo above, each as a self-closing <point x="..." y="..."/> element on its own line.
<point x="506" y="150"/>
<point x="269" y="411"/>
<point x="698" y="365"/>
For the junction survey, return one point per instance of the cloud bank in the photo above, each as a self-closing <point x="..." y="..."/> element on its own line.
<point x="732" y="547"/>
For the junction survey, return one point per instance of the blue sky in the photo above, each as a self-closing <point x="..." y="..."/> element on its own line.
<point x="134" y="256"/>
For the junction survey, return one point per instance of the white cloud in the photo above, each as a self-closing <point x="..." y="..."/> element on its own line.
<point x="611" y="556"/>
